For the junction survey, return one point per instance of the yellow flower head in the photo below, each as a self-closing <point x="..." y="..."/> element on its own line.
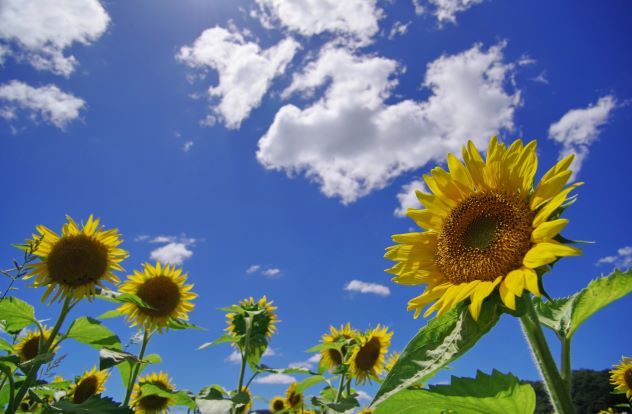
<point x="27" y="346"/>
<point x="277" y="404"/>
<point x="486" y="228"/>
<point x="293" y="399"/>
<point x="333" y="358"/>
<point x="365" y="410"/>
<point x="162" y="288"/>
<point x="152" y="404"/>
<point x="621" y="377"/>
<point x="78" y="261"/>
<point x="390" y="362"/>
<point x="263" y="323"/>
<point x="90" y="383"/>
<point x="367" y="357"/>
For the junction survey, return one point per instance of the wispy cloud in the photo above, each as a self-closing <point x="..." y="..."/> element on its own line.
<point x="275" y="379"/>
<point x="307" y="364"/>
<point x="365" y="287"/>
<point x="623" y="258"/>
<point x="267" y="271"/>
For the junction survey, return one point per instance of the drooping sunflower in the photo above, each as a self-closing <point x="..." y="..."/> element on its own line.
<point x="333" y="358"/>
<point x="162" y="288"/>
<point x="27" y="346"/>
<point x="293" y="399"/>
<point x="152" y="404"/>
<point x="621" y="377"/>
<point x="277" y="404"/>
<point x="486" y="228"/>
<point x="367" y="357"/>
<point x="78" y="261"/>
<point x="90" y="383"/>
<point x="263" y="323"/>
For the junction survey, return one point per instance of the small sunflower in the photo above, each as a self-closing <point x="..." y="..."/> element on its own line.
<point x="90" y="383"/>
<point x="293" y="399"/>
<point x="390" y="362"/>
<point x="152" y="404"/>
<point x="162" y="288"/>
<point x="27" y="346"/>
<point x="367" y="357"/>
<point x="333" y="358"/>
<point x="263" y="323"/>
<point x="277" y="404"/>
<point x="366" y="410"/>
<point x="621" y="377"/>
<point x="487" y="228"/>
<point x="78" y="261"/>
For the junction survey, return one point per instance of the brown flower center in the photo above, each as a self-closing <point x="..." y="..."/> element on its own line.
<point x="153" y="402"/>
<point x="485" y="236"/>
<point x="77" y="260"/>
<point x="86" y="389"/>
<point x="30" y="349"/>
<point x="278" y="405"/>
<point x="368" y="355"/>
<point x="627" y="377"/>
<point x="161" y="293"/>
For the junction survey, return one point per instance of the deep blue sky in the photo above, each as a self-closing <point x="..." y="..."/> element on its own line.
<point x="123" y="160"/>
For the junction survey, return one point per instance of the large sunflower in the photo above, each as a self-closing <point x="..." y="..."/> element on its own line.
<point x="367" y="358"/>
<point x="486" y="228"/>
<point x="152" y="404"/>
<point x="162" y="288"/>
<point x="333" y="358"/>
<point x="263" y="322"/>
<point x="28" y="345"/>
<point x="78" y="261"/>
<point x="90" y="383"/>
<point x="621" y="377"/>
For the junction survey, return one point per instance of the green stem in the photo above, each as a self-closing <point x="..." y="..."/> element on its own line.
<point x="567" y="373"/>
<point x="560" y="397"/>
<point x="45" y="347"/>
<point x="136" y="368"/>
<point x="340" y="387"/>
<point x="242" y="371"/>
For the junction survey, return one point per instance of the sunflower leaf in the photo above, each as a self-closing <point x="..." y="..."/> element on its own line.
<point x="565" y="315"/>
<point x="309" y="382"/>
<point x="89" y="331"/>
<point x="16" y="314"/>
<point x="114" y="313"/>
<point x="179" y="324"/>
<point x="111" y="357"/>
<point x="440" y="342"/>
<point x="492" y="394"/>
<point x="179" y="397"/>
<point x="222" y="339"/>
<point x="93" y="405"/>
<point x="117" y="297"/>
<point x="5" y="346"/>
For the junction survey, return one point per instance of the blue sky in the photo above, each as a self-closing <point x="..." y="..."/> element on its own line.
<point x="230" y="134"/>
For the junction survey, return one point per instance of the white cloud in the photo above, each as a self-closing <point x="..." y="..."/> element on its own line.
<point x="398" y="29"/>
<point x="308" y="364"/>
<point x="172" y="253"/>
<point x="267" y="271"/>
<point x="47" y="103"/>
<point x="245" y="70"/>
<point x="541" y="78"/>
<point x="364" y="287"/>
<point x="42" y="29"/>
<point x="407" y="197"/>
<point x="446" y="10"/>
<point x="419" y="8"/>
<point x="623" y="258"/>
<point x="141" y="238"/>
<point x="186" y="147"/>
<point x="253" y="269"/>
<point x="356" y="19"/>
<point x="351" y="142"/>
<point x="579" y="128"/>
<point x="272" y="272"/>
<point x="274" y="379"/>
<point x="234" y="357"/>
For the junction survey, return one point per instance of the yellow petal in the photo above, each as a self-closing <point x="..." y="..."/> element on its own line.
<point x="515" y="281"/>
<point x="459" y="172"/>
<point x="507" y="296"/>
<point x="548" y="230"/>
<point x="531" y="281"/>
<point x="482" y="291"/>
<point x="562" y="165"/>
<point x="544" y="253"/>
<point x="548" y="209"/>
<point x="425" y="219"/>
<point x="549" y="188"/>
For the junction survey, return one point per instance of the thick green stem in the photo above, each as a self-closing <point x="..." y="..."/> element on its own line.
<point x="567" y="373"/>
<point x="340" y="387"/>
<point x="559" y="394"/>
<point x="136" y="368"/>
<point x="242" y="371"/>
<point x="45" y="347"/>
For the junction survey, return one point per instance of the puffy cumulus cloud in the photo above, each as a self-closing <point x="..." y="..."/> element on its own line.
<point x="307" y="364"/>
<point x="42" y="29"/>
<point x="365" y="287"/>
<point x="47" y="103"/>
<point x="579" y="128"/>
<point x="445" y="10"/>
<point x="172" y="253"/>
<point x="623" y="258"/>
<point x="351" y="141"/>
<point x="407" y="197"/>
<point x="275" y="379"/>
<point x="357" y="20"/>
<point x="245" y="70"/>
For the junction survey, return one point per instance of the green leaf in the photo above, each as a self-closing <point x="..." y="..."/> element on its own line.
<point x="111" y="357"/>
<point x="117" y="297"/>
<point x="179" y="324"/>
<point x="89" y="331"/>
<point x="16" y="314"/>
<point x="327" y="345"/>
<point x="565" y="315"/>
<point x="309" y="382"/>
<point x="440" y="342"/>
<point x="114" y="313"/>
<point x="178" y="397"/>
<point x="490" y="394"/>
<point x="344" y="405"/>
<point x="265" y="368"/>
<point x="93" y="405"/>
<point x="212" y="392"/>
<point x="5" y="346"/>
<point x="222" y="339"/>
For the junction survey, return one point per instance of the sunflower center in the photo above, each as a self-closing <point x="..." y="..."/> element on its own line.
<point x="278" y="405"/>
<point x="86" y="389"/>
<point x="153" y="402"/>
<point x="368" y="355"/>
<point x="627" y="377"/>
<point x="30" y="349"/>
<point x="485" y="236"/>
<point x="77" y="260"/>
<point x="161" y="293"/>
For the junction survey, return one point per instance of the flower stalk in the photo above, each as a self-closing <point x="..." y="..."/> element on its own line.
<point x="136" y="368"/>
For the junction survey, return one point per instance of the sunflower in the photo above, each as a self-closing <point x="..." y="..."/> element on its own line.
<point x="245" y="408"/>
<point x="162" y="288"/>
<point x="333" y="358"/>
<point x="293" y="399"/>
<point x="367" y="357"/>
<point x="28" y="346"/>
<point x="277" y="404"/>
<point x="621" y="377"/>
<point x="365" y="410"/>
<point x="90" y="383"/>
<point x="152" y="404"/>
<point x="263" y="323"/>
<point x="78" y="261"/>
<point x="390" y="362"/>
<point x="487" y="228"/>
